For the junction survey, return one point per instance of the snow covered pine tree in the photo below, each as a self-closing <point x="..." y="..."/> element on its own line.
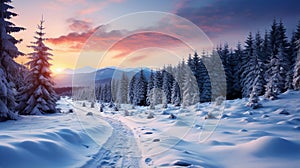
<point x="8" y="67"/>
<point x="38" y="96"/>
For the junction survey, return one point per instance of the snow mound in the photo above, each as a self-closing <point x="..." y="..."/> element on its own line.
<point x="36" y="151"/>
<point x="269" y="146"/>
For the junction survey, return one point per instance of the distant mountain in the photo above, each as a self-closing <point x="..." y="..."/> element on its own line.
<point x="68" y="71"/>
<point x="92" y="75"/>
<point x="86" y="69"/>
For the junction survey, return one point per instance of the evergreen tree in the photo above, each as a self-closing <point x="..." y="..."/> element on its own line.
<point x="216" y="75"/>
<point x="254" y="99"/>
<point x="149" y="88"/>
<point x="278" y="65"/>
<point x="122" y="89"/>
<point x="114" y="89"/>
<point x="167" y="85"/>
<point x="296" y="56"/>
<point x="296" y="76"/>
<point x="190" y="88"/>
<point x="157" y="92"/>
<point x="247" y="75"/>
<point x="205" y="94"/>
<point x="229" y="72"/>
<point x="256" y="63"/>
<point x="176" y="98"/>
<point x="140" y="91"/>
<point x="258" y="70"/>
<point x="284" y="58"/>
<point x="8" y="67"/>
<point x="235" y="68"/>
<point x="131" y="89"/>
<point x="107" y="95"/>
<point x="38" y="96"/>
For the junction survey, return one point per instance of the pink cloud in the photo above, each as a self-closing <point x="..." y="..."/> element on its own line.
<point x="77" y="25"/>
<point x="137" y="58"/>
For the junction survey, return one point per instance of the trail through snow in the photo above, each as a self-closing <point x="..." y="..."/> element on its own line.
<point x="120" y="150"/>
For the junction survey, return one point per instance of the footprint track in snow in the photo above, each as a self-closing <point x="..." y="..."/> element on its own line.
<point x="120" y="150"/>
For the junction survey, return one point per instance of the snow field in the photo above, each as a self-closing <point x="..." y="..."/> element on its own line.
<point x="56" y="140"/>
<point x="264" y="137"/>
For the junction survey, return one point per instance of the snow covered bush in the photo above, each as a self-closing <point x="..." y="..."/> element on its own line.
<point x="93" y="105"/>
<point x="150" y="115"/>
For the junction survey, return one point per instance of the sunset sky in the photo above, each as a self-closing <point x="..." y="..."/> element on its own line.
<point x="69" y="23"/>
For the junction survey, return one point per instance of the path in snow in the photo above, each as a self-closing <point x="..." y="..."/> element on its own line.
<point x="120" y="150"/>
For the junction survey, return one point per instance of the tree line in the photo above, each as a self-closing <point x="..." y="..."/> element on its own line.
<point x="266" y="65"/>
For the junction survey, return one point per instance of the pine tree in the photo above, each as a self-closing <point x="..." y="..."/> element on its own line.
<point x="278" y="65"/>
<point x="258" y="69"/>
<point x="8" y="67"/>
<point x="205" y="94"/>
<point x="39" y="96"/>
<point x="149" y="88"/>
<point x="177" y="83"/>
<point x="122" y="89"/>
<point x="131" y="89"/>
<point x="216" y="75"/>
<point x="157" y="91"/>
<point x="167" y="85"/>
<point x="190" y="88"/>
<point x="256" y="63"/>
<point x="284" y="57"/>
<point x="296" y="54"/>
<point x="254" y="99"/>
<point x="248" y="64"/>
<point x="140" y="91"/>
<point x="176" y="98"/>
<point x="235" y="67"/>
<point x="108" y="93"/>
<point x="296" y="77"/>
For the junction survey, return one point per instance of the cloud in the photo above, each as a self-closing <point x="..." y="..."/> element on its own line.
<point x="73" y="41"/>
<point x="145" y="40"/>
<point x="101" y="40"/>
<point x="77" y="25"/>
<point x="218" y="17"/>
<point x="137" y="58"/>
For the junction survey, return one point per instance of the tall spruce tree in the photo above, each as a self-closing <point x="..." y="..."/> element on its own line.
<point x="247" y="75"/>
<point x="256" y="69"/>
<point x="167" y="85"/>
<point x="190" y="88"/>
<point x="38" y="96"/>
<point x="292" y="57"/>
<point x="205" y="94"/>
<point x="237" y="90"/>
<point x="131" y="89"/>
<point x="8" y="67"/>
<point x="277" y="68"/>
<point x="122" y="89"/>
<point x="140" y="91"/>
<point x="296" y="76"/>
<point x="150" y="88"/>
<point x="157" y="91"/>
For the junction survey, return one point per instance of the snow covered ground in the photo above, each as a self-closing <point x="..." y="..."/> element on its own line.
<point x="239" y="137"/>
<point x="57" y="140"/>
